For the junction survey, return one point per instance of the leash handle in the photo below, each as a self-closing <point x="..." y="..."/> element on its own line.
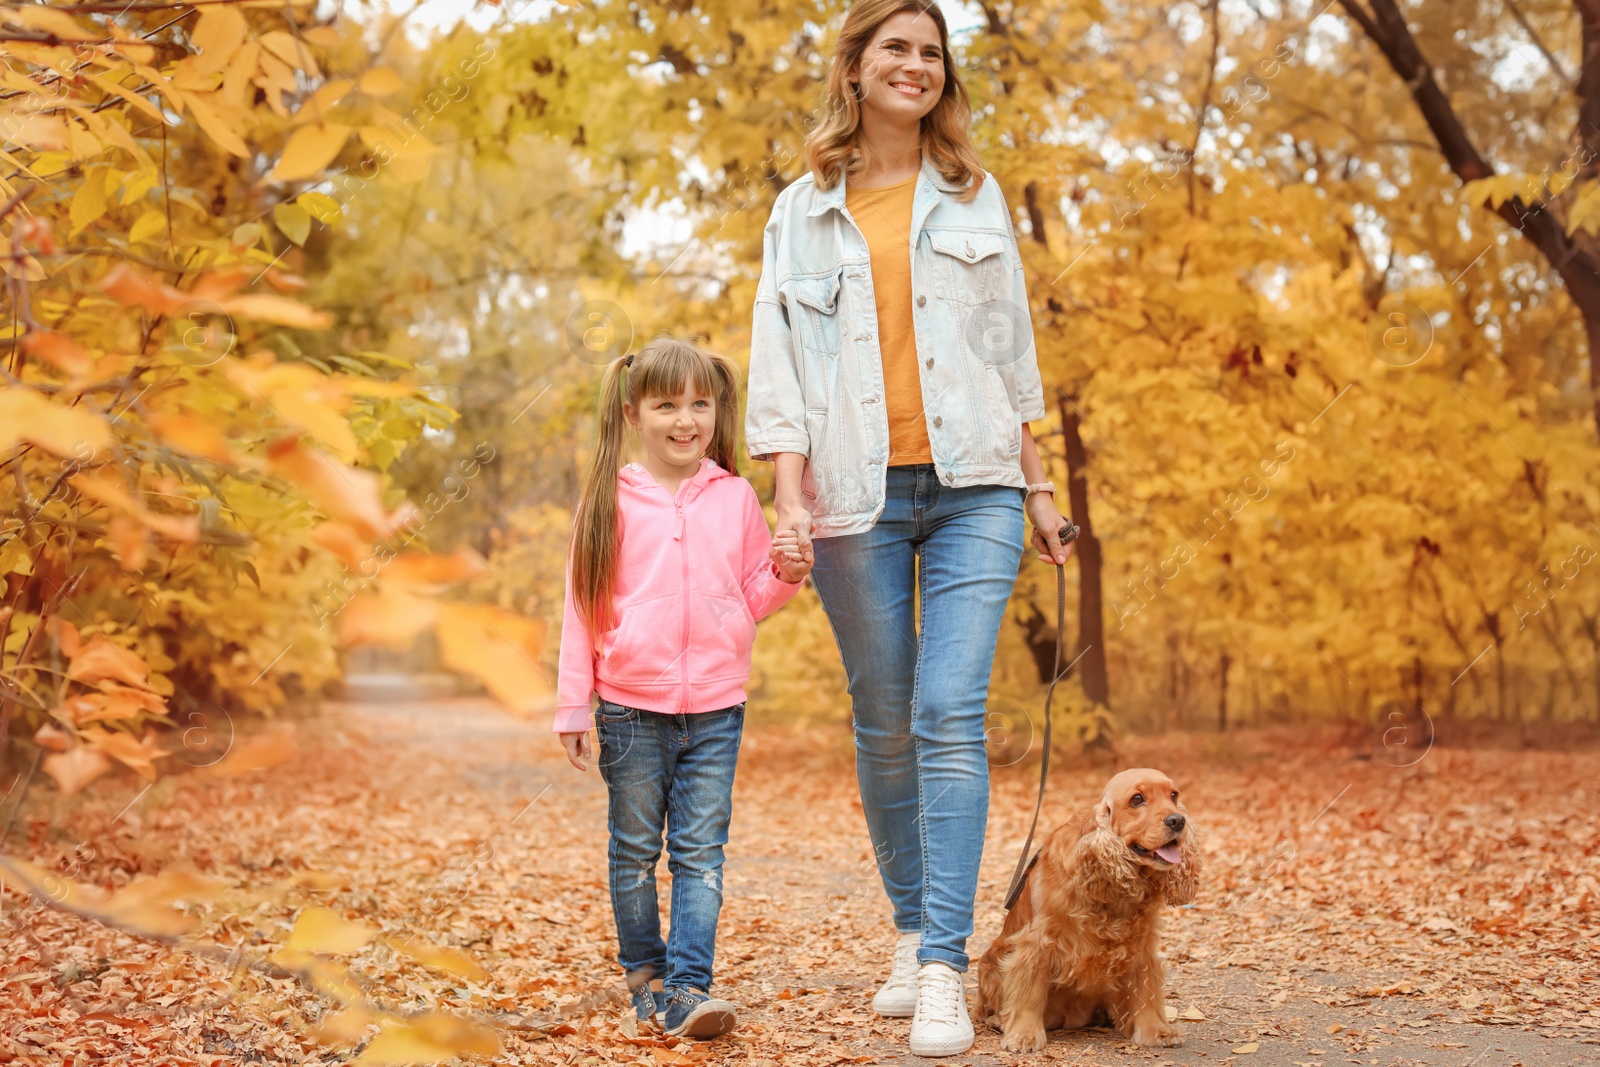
<point x="1067" y="534"/>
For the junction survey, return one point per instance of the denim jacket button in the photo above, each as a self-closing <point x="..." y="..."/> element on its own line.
<point x="922" y="301"/>
<point x="938" y="420"/>
<point x="930" y="361"/>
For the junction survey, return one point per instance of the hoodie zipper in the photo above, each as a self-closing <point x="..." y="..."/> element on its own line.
<point x="683" y="660"/>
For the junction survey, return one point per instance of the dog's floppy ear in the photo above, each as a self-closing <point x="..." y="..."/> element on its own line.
<point x="1102" y="812"/>
<point x="1183" y="881"/>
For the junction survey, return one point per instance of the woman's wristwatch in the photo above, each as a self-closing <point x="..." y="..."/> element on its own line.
<point x="1041" y="487"/>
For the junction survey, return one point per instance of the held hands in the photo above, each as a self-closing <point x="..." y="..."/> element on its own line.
<point x="793" y="559"/>
<point x="1047" y="523"/>
<point x="577" y="746"/>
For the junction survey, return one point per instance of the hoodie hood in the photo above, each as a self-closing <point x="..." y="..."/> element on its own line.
<point x="637" y="477"/>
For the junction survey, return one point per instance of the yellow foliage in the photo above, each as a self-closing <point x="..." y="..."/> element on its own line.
<point x="320" y="930"/>
<point x="428" y="1039"/>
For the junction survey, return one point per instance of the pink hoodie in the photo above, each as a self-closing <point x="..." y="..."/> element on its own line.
<point x="693" y="578"/>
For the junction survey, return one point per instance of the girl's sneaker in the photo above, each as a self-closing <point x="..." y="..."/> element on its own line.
<point x="650" y="1003"/>
<point x="691" y="1013"/>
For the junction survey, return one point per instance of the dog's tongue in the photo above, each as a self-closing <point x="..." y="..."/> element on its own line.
<point x="1169" y="853"/>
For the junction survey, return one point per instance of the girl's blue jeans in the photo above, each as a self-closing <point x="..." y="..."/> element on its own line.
<point x="916" y="605"/>
<point x="676" y="772"/>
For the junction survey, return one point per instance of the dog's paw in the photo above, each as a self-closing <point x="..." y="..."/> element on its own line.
<point x="1024" y="1040"/>
<point x="1157" y="1036"/>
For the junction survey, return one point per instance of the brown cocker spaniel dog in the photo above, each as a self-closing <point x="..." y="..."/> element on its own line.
<point x="1080" y="945"/>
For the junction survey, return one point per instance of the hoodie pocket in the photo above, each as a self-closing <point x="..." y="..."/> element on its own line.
<point x="721" y="634"/>
<point x="647" y="647"/>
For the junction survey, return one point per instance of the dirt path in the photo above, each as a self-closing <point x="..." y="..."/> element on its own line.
<point x="1352" y="911"/>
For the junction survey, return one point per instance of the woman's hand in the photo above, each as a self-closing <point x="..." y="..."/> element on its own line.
<point x="793" y="516"/>
<point x="792" y="561"/>
<point x="577" y="746"/>
<point x="1047" y="524"/>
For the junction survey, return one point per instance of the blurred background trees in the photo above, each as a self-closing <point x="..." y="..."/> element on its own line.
<point x="1315" y="318"/>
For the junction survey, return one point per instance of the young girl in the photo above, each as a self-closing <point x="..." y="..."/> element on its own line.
<point x="671" y="566"/>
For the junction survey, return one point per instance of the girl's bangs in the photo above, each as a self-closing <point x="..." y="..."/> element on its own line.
<point x="667" y="373"/>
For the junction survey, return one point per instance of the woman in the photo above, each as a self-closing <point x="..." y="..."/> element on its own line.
<point x="892" y="377"/>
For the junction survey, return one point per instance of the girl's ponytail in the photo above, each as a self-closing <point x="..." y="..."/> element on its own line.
<point x="595" y="539"/>
<point x="725" y="437"/>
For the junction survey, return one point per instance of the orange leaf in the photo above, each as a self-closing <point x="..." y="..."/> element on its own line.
<point x="218" y="33"/>
<point x="285" y="282"/>
<point x="427" y="1039"/>
<point x="308" y="150"/>
<point x="392" y="618"/>
<point x="99" y="658"/>
<point x="126" y="286"/>
<point x="319" y="929"/>
<point x="258" y="754"/>
<point x="277" y="309"/>
<point x="75" y="768"/>
<point x="26" y="415"/>
<point x="500" y="648"/>
<point x="59" y="350"/>
<point x="52" y="738"/>
<point x="195" y="436"/>
<point x="132" y="541"/>
<point x="148" y="905"/>
<point x="344" y="493"/>
<point x="341" y="539"/>
<point x="345" y="1027"/>
<point x="425" y="568"/>
<point x="440" y="958"/>
<point x="107" y="491"/>
<point x="113" y="702"/>
<point x="218" y="284"/>
<point x="65" y="635"/>
<point x="136" y="754"/>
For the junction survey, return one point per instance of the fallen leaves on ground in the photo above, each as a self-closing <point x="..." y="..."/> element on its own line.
<point x="431" y="880"/>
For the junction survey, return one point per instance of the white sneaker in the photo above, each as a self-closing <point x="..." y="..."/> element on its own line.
<point x="941" y="1026"/>
<point x="897" y="997"/>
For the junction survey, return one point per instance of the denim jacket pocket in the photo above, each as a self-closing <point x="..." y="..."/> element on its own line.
<point x="1001" y="410"/>
<point x="970" y="264"/>
<point x="819" y="317"/>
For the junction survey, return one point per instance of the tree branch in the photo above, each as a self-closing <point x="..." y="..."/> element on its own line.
<point x="1538" y="42"/>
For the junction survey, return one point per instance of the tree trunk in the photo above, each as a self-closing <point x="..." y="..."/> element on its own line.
<point x="1091" y="621"/>
<point x="1222" y="696"/>
<point x="1039" y="634"/>
<point x="1591" y="629"/>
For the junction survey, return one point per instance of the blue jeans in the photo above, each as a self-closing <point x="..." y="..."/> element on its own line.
<point x="919" y="687"/>
<point x="674" y="771"/>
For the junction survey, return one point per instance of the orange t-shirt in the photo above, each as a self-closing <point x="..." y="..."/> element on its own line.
<point x="884" y="216"/>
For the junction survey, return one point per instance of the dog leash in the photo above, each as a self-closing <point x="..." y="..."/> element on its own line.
<point x="1068" y="534"/>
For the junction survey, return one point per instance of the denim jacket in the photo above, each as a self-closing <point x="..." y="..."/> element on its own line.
<point x="816" y="376"/>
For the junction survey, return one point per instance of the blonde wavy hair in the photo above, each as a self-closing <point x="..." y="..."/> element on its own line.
<point x="834" y="147"/>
